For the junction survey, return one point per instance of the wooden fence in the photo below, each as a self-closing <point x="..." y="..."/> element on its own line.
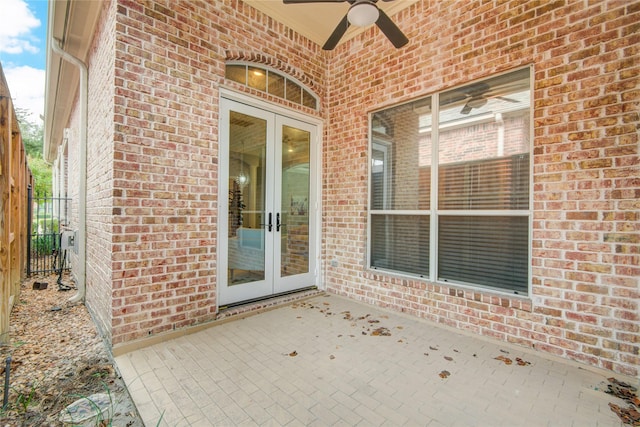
<point x="15" y="179"/>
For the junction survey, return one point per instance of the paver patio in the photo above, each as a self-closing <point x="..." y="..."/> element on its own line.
<point x="330" y="361"/>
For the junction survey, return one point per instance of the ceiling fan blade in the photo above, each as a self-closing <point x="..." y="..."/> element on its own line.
<point x="504" y="98"/>
<point x="312" y="1"/>
<point x="391" y="30"/>
<point x="466" y="109"/>
<point x="337" y="34"/>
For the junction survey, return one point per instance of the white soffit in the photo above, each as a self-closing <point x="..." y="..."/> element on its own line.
<point x="317" y="21"/>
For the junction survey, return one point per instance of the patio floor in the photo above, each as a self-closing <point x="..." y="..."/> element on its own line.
<point x="330" y="361"/>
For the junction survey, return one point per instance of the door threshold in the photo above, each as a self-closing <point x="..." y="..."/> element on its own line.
<point x="257" y="305"/>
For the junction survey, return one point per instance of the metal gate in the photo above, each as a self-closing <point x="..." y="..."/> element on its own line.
<point x="47" y="218"/>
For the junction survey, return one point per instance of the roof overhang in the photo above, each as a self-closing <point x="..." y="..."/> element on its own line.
<point x="72" y="22"/>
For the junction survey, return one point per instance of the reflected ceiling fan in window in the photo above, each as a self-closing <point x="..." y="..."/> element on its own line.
<point x="477" y="96"/>
<point x="361" y="13"/>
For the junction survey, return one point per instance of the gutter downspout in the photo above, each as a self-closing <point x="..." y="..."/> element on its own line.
<point x="82" y="196"/>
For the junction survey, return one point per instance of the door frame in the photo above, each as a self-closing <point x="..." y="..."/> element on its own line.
<point x="223" y="170"/>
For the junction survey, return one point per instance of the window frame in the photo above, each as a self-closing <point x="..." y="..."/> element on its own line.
<point x="434" y="212"/>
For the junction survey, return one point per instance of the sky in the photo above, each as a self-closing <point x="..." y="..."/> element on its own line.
<point x="23" y="42"/>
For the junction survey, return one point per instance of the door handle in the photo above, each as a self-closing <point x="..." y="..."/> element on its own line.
<point x="270" y="224"/>
<point x="278" y="221"/>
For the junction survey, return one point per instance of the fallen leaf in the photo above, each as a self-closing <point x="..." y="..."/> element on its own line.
<point x="293" y="353"/>
<point x="381" y="332"/>
<point x="448" y="358"/>
<point x="373" y="321"/>
<point x="504" y="351"/>
<point x="522" y="362"/>
<point x="455" y="351"/>
<point x="506" y="360"/>
<point x="332" y="357"/>
<point x="444" y="374"/>
<point x="433" y="348"/>
<point x="426" y="354"/>
<point x="628" y="415"/>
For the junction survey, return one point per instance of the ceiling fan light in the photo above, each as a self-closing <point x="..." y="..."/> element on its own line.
<point x="362" y="14"/>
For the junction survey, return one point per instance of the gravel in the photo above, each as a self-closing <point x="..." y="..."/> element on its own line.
<point x="57" y="357"/>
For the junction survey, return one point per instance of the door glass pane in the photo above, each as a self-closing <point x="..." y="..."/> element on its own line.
<point x="294" y="254"/>
<point x="247" y="152"/>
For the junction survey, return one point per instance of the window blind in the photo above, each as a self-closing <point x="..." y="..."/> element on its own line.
<point x="485" y="250"/>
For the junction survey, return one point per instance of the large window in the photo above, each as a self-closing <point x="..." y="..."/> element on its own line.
<point x="450" y="185"/>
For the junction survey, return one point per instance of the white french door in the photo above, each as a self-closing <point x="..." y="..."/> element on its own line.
<point x="267" y="176"/>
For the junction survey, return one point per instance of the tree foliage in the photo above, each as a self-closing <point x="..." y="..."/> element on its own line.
<point x="33" y="139"/>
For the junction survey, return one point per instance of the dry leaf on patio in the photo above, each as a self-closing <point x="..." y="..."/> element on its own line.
<point x="448" y="358"/>
<point x="506" y="360"/>
<point x="332" y="357"/>
<point x="444" y="374"/>
<point x="522" y="362"/>
<point x="623" y="390"/>
<point x="629" y="415"/>
<point x="433" y="348"/>
<point x="293" y="353"/>
<point x="373" y="321"/>
<point x="381" y="332"/>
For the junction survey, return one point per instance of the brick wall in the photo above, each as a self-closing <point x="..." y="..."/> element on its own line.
<point x="100" y="222"/>
<point x="170" y="59"/>
<point x="586" y="62"/>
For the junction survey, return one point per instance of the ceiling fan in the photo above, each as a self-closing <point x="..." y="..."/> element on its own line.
<point x="361" y="13"/>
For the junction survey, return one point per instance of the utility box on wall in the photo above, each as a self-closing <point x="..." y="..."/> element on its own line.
<point x="68" y="240"/>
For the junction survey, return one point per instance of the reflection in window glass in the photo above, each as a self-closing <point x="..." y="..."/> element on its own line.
<point x="237" y="73"/>
<point x="308" y="100"/>
<point x="269" y="81"/>
<point x="257" y="78"/>
<point x="479" y="218"/>
<point x="293" y="92"/>
<point x="276" y="85"/>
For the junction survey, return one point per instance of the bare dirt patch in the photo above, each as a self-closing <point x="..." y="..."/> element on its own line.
<point x="57" y="357"/>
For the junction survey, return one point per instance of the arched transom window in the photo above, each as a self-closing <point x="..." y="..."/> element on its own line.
<point x="272" y="82"/>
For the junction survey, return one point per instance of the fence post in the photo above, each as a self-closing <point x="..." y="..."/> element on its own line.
<point x="29" y="226"/>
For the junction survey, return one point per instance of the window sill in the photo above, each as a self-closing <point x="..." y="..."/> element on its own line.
<point x="476" y="294"/>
